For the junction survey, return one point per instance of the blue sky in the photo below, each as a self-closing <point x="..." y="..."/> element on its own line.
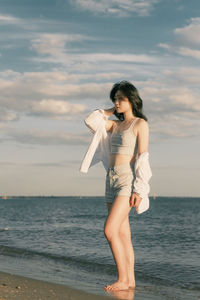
<point x="58" y="62"/>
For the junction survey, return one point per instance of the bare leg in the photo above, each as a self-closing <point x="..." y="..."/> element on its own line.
<point x="118" y="214"/>
<point x="125" y="235"/>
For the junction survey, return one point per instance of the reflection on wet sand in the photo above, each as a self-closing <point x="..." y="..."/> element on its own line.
<point x="123" y="294"/>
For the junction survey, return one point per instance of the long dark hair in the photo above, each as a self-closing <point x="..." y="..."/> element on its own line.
<point x="129" y="91"/>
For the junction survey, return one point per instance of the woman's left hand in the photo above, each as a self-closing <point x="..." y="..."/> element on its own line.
<point x="135" y="200"/>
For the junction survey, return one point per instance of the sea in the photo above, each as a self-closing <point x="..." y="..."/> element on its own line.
<point x="61" y="240"/>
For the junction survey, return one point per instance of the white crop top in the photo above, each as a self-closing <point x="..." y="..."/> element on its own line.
<point x="124" y="142"/>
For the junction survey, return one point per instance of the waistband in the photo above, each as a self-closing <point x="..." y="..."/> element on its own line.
<point x="122" y="167"/>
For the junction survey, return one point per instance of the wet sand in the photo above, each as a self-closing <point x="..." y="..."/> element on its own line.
<point x="23" y="288"/>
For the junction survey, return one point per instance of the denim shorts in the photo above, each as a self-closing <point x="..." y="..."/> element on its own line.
<point x="119" y="181"/>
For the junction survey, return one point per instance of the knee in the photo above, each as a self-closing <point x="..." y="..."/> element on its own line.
<point x="109" y="232"/>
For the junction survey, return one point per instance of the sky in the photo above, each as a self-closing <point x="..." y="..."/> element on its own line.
<point x="58" y="61"/>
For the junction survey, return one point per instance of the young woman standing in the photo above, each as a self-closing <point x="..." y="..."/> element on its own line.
<point x="129" y="138"/>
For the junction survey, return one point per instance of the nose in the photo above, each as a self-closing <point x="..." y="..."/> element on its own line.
<point x="116" y="102"/>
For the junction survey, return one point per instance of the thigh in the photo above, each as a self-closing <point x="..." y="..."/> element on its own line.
<point x="118" y="212"/>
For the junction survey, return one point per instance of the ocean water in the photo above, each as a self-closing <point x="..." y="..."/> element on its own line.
<point x="61" y="239"/>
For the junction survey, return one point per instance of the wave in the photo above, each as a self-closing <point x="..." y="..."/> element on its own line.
<point x="82" y="263"/>
<point x="69" y="260"/>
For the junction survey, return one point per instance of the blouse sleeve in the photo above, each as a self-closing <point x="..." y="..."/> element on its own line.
<point x="142" y="176"/>
<point x="93" y="120"/>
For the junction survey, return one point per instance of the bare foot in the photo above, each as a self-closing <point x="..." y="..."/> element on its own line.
<point x="132" y="285"/>
<point x="117" y="286"/>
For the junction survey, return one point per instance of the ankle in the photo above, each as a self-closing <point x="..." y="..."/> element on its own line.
<point x="123" y="280"/>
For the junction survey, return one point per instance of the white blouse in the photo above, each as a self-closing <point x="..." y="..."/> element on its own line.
<point x="99" y="150"/>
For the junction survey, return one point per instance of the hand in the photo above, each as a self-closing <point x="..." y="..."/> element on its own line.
<point x="135" y="200"/>
<point x="109" y="111"/>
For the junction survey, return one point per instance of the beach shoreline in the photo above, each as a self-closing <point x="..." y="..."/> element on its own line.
<point x="18" y="287"/>
<point x="23" y="288"/>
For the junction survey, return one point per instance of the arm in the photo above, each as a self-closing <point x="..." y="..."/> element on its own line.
<point x="92" y="121"/>
<point x="143" y="136"/>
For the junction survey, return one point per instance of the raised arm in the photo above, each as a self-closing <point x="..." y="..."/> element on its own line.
<point x="92" y="121"/>
<point x="109" y="123"/>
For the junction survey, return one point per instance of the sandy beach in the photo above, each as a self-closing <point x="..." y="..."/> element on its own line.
<point x="22" y="288"/>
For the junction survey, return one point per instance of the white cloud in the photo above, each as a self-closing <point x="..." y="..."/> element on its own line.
<point x="34" y="92"/>
<point x="186" y="40"/>
<point x="55" y="48"/>
<point x="45" y="137"/>
<point x="52" y="94"/>
<point x="55" y="44"/>
<point x="185" y="76"/>
<point x="56" y="108"/>
<point x="189" y="52"/>
<point x="189" y="34"/>
<point x="121" y="58"/>
<point x="8" y="19"/>
<point x="118" y="8"/>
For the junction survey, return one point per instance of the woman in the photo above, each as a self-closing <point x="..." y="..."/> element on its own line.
<point x="129" y="138"/>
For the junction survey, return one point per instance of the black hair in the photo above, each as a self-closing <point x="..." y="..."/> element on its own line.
<point x="129" y="91"/>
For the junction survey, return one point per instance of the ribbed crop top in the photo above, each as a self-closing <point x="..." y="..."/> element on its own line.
<point x="124" y="142"/>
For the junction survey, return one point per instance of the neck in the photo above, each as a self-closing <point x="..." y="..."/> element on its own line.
<point x="128" y="115"/>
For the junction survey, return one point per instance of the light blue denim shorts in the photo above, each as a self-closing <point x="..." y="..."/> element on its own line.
<point x="119" y="181"/>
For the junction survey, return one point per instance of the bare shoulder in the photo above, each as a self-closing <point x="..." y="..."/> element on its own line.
<point x="142" y="123"/>
<point x="141" y="126"/>
<point x="110" y="124"/>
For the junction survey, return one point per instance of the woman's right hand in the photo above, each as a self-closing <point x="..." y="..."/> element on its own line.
<point x="109" y="111"/>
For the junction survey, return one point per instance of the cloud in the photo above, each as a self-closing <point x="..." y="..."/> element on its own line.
<point x="188" y="52"/>
<point x="116" y="8"/>
<point x="52" y="94"/>
<point x="171" y="102"/>
<point x="18" y="91"/>
<point x="17" y="23"/>
<point x="44" y="137"/>
<point x="55" y="44"/>
<point x="8" y="19"/>
<point x="189" y="34"/>
<point x="56" y="108"/>
<point x="7" y="116"/>
<point x="165" y="101"/>
<point x="57" y="49"/>
<point x="31" y="93"/>
<point x="185" y="75"/>
<point x="174" y="126"/>
<point x="186" y="40"/>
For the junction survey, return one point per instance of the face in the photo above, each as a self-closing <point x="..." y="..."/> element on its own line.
<point x="122" y="103"/>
